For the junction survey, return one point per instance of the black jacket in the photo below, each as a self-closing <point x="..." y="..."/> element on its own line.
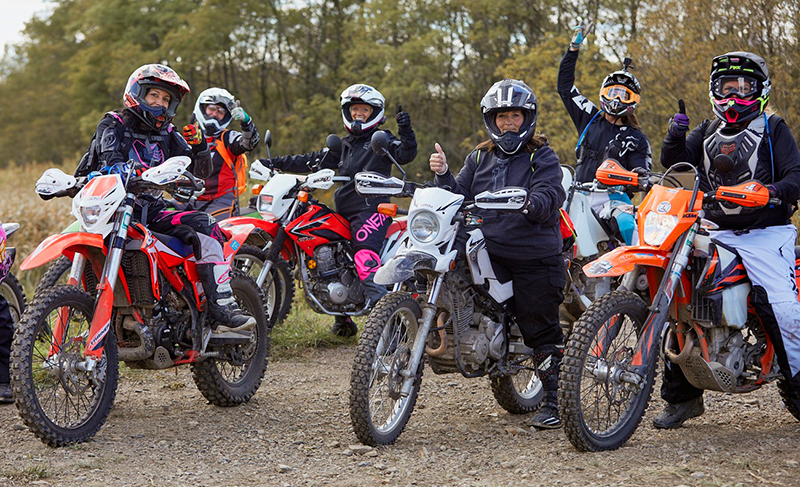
<point x="787" y="172"/>
<point x="120" y="137"/>
<point x="535" y="235"/>
<point x="357" y="156"/>
<point x="602" y="138"/>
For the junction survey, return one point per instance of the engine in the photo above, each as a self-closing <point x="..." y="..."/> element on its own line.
<point x="333" y="280"/>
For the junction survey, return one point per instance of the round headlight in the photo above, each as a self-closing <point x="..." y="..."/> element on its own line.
<point x="90" y="214"/>
<point x="424" y="226"/>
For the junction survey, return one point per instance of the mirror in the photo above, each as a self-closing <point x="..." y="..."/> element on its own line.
<point x="334" y="143"/>
<point x="268" y="138"/>
<point x="380" y="142"/>
<point x="510" y="199"/>
<point x="375" y="184"/>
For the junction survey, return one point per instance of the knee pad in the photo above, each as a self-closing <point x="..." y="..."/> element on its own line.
<point x="367" y="262"/>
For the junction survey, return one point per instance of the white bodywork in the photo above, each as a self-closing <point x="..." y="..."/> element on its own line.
<point x="734" y="298"/>
<point x="54" y="180"/>
<point x="480" y="266"/>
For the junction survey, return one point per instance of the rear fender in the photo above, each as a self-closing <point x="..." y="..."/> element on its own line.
<point x="62" y="244"/>
<point x="271" y="228"/>
<point x="623" y="259"/>
<point x="239" y="234"/>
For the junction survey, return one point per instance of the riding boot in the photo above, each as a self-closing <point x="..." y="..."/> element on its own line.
<point x="373" y="292"/>
<point x="547" y="360"/>
<point x="344" y="326"/>
<point x="223" y="311"/>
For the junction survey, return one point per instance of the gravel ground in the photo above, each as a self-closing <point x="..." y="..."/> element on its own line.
<point x="296" y="431"/>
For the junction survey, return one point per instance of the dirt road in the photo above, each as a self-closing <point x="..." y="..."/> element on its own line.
<point x="296" y="431"/>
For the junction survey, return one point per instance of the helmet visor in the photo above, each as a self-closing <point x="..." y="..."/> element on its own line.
<point x="734" y="86"/>
<point x="622" y="93"/>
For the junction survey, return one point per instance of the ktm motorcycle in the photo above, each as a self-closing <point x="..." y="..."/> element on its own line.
<point x="700" y="318"/>
<point x="311" y="238"/>
<point x="149" y="311"/>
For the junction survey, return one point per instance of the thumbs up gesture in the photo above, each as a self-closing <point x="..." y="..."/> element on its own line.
<point x="192" y="133"/>
<point x="438" y="161"/>
<point x="679" y="124"/>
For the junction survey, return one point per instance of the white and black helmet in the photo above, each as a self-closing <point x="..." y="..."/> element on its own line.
<point x="361" y="93"/>
<point x="214" y="96"/>
<point x="510" y="94"/>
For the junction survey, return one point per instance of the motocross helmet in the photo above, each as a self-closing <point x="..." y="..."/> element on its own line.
<point x="620" y="92"/>
<point x="734" y="77"/>
<point x="505" y="95"/>
<point x="154" y="76"/>
<point x="361" y="93"/>
<point x="214" y="96"/>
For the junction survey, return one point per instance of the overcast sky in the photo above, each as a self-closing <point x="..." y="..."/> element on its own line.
<point x="14" y="14"/>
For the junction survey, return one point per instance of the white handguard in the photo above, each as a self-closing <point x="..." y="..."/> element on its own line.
<point x="509" y="198"/>
<point x="322" y="179"/>
<point x="171" y="170"/>
<point x="54" y="180"/>
<point x="259" y="171"/>
<point x="375" y="184"/>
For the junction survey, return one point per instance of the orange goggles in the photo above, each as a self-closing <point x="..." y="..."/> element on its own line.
<point x="622" y="93"/>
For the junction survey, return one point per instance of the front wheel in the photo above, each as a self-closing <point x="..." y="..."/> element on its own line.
<point x="378" y="410"/>
<point x="599" y="409"/>
<point x="58" y="398"/>
<point x="233" y="382"/>
<point x="519" y="393"/>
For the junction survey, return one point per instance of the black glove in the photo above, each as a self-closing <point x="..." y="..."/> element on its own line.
<point x="183" y="194"/>
<point x="403" y="118"/>
<point x="268" y="163"/>
<point x="188" y="236"/>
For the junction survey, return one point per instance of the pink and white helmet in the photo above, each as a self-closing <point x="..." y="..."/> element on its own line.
<point x="361" y="93"/>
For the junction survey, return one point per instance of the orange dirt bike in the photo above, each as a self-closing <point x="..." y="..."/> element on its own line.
<point x="149" y="310"/>
<point x="700" y="319"/>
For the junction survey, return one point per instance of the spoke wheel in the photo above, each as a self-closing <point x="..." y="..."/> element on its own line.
<point x="278" y="288"/>
<point x="378" y="410"/>
<point x="519" y="393"/>
<point x="601" y="411"/>
<point x="234" y="381"/>
<point x="58" y="401"/>
<point x="58" y="273"/>
<point x="12" y="291"/>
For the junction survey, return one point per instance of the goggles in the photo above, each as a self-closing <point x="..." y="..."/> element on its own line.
<point x="622" y="93"/>
<point x="216" y="109"/>
<point x="734" y="86"/>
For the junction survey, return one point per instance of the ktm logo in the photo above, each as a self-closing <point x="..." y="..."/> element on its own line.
<point x="727" y="148"/>
<point x="752" y="187"/>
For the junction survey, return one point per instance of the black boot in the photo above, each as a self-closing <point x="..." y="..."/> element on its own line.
<point x="373" y="292"/>
<point x="223" y="312"/>
<point x="6" y="396"/>
<point x="548" y="364"/>
<point x="674" y="415"/>
<point x="344" y="327"/>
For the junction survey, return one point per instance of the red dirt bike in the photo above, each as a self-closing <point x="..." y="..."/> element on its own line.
<point x="701" y="318"/>
<point x="309" y="237"/>
<point x="149" y="311"/>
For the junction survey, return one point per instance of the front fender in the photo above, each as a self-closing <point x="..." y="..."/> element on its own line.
<point x="61" y="244"/>
<point x="622" y="260"/>
<point x="402" y="267"/>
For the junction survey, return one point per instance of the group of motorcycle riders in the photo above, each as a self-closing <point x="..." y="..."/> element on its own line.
<point x="525" y="247"/>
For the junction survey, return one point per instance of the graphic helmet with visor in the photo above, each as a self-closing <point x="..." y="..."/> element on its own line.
<point x="361" y="93"/>
<point x="218" y="101"/>
<point x="146" y="78"/>
<point x="506" y="95"/>
<point x="620" y="92"/>
<point x="739" y="86"/>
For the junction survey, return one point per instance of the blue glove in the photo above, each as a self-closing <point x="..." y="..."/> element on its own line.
<point x="581" y="32"/>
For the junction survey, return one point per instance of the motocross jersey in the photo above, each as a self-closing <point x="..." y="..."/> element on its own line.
<point x="599" y="138"/>
<point x="223" y="179"/>
<point x="762" y="150"/>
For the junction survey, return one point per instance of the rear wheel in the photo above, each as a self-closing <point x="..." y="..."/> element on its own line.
<point x="278" y="287"/>
<point x="233" y="382"/>
<point x="12" y="291"/>
<point x="601" y="411"/>
<point x="519" y="393"/>
<point x="378" y="410"/>
<point x="58" y="398"/>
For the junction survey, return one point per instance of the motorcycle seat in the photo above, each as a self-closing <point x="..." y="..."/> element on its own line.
<point x="174" y="243"/>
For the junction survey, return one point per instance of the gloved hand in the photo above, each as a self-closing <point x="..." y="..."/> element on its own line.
<point x="183" y="194"/>
<point x="189" y="237"/>
<point x="438" y="161"/>
<point x="268" y="163"/>
<point x="239" y="114"/>
<point x="192" y="133"/>
<point x="403" y="118"/>
<point x="580" y="34"/>
<point x="644" y="176"/>
<point x="679" y="124"/>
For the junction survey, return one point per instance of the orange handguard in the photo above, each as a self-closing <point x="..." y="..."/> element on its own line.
<point x="750" y="194"/>
<point x="611" y="173"/>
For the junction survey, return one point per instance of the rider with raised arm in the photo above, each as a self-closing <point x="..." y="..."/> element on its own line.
<point x="143" y="132"/>
<point x="362" y="111"/>
<point x="525" y="247"/>
<point x="611" y="131"/>
<point x="761" y="147"/>
<point x="214" y="110"/>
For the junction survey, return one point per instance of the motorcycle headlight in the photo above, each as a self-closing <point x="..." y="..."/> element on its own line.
<point x="90" y="214"/>
<point x="265" y="203"/>
<point x="657" y="227"/>
<point x="424" y="227"/>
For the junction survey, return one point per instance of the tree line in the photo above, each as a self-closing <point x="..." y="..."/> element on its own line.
<point x="288" y="61"/>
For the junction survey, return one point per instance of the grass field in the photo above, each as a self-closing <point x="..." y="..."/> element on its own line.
<point x="303" y="329"/>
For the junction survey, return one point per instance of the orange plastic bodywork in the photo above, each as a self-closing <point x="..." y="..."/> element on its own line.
<point x="750" y="194"/>
<point x="670" y="201"/>
<point x="61" y="244"/>
<point x="612" y="173"/>
<point x="622" y="260"/>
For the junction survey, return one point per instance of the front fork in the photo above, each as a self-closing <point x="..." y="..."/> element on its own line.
<point x="428" y="315"/>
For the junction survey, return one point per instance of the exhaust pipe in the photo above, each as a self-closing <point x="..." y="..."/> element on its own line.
<point x="147" y="344"/>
